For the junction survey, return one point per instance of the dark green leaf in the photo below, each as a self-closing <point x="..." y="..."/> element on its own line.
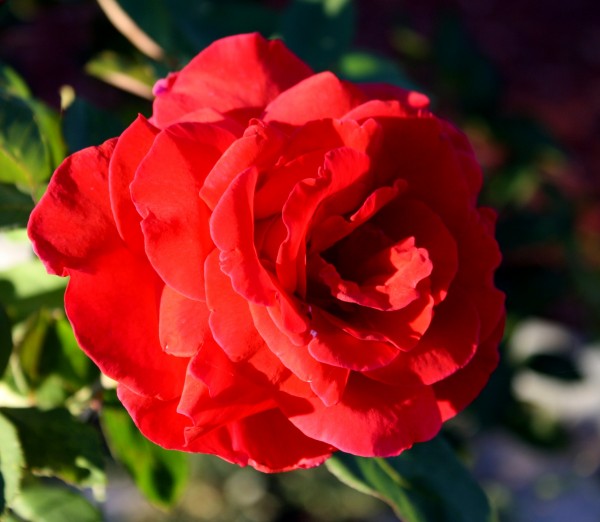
<point x="15" y="206"/>
<point x="12" y="83"/>
<point x="49" y="123"/>
<point x="11" y="463"/>
<point x="367" y="67"/>
<point x="46" y="503"/>
<point x="85" y="125"/>
<point x="424" y="484"/>
<point x="161" y="475"/>
<point x="24" y="156"/>
<point x="319" y="31"/>
<point x="5" y="340"/>
<point x="56" y="444"/>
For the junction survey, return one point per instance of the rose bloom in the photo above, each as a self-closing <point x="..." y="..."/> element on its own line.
<point x="279" y="264"/>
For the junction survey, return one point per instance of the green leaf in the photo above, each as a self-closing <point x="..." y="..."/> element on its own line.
<point x="367" y="67"/>
<point x="49" y="123"/>
<point x="27" y="287"/>
<point x="15" y="206"/>
<point x="132" y="74"/>
<point x="319" y="31"/>
<point x="11" y="463"/>
<point x="56" y="444"/>
<point x="424" y="484"/>
<point x="85" y="125"/>
<point x="24" y="156"/>
<point x="161" y="475"/>
<point x="5" y="340"/>
<point x="12" y="83"/>
<point x="46" y="503"/>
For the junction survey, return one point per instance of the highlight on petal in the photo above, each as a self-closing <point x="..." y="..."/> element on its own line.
<point x="174" y="218"/>
<point x="113" y="307"/>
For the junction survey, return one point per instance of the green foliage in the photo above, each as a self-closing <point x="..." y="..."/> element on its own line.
<point x="56" y="444"/>
<point x="423" y="484"/>
<point x="161" y="475"/>
<point x="11" y="463"/>
<point x="330" y="24"/>
<point x="39" y="502"/>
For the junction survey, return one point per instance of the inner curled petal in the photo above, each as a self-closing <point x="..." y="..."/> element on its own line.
<point x="385" y="281"/>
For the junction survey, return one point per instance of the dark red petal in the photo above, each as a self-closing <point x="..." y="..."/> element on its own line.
<point x="372" y="419"/>
<point x="333" y="346"/>
<point x="183" y="323"/>
<point x="334" y="228"/>
<point x="319" y="96"/>
<point x="232" y="230"/>
<point x="73" y="221"/>
<point x="340" y="187"/>
<point x="328" y="382"/>
<point x="238" y="72"/>
<point x="447" y="345"/>
<point x="113" y="307"/>
<point x="457" y="391"/>
<point x="131" y="148"/>
<point x="407" y="217"/>
<point x="258" y="147"/>
<point x="165" y="192"/>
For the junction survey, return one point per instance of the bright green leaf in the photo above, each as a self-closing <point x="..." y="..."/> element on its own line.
<point x="46" y="503"/>
<point x="26" y="287"/>
<point x="424" y="484"/>
<point x="161" y="475"/>
<point x="11" y="463"/>
<point x="319" y="31"/>
<point x="24" y="157"/>
<point x="56" y="444"/>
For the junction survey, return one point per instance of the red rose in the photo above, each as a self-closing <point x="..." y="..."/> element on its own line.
<point x="279" y="264"/>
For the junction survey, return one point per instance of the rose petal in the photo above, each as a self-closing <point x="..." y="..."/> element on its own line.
<point x="232" y="229"/>
<point x="333" y="346"/>
<point x="328" y="382"/>
<point x="319" y="96"/>
<point x="258" y="147"/>
<point x="447" y="345"/>
<point x="183" y="323"/>
<point x="404" y="414"/>
<point x="243" y="72"/>
<point x="175" y="219"/>
<point x="113" y="307"/>
<point x="74" y="212"/>
<point x="131" y="148"/>
<point x="457" y="391"/>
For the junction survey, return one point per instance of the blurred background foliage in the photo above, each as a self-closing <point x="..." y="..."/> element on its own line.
<point x="521" y="78"/>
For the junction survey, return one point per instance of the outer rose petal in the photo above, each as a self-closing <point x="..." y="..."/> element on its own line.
<point x="457" y="391"/>
<point x="131" y="148"/>
<point x="175" y="219"/>
<point x="74" y="212"/>
<point x="403" y="415"/>
<point x="240" y="73"/>
<point x="319" y="96"/>
<point x="113" y="307"/>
